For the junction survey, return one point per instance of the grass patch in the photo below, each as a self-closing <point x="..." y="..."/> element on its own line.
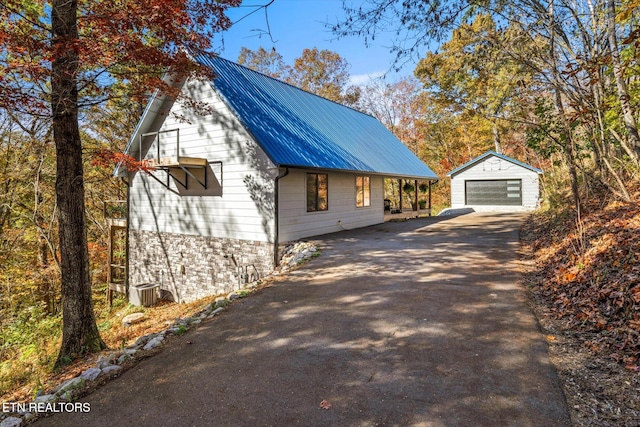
<point x="28" y="347"/>
<point x="29" y="343"/>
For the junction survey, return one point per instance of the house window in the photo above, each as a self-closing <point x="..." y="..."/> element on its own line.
<point x="317" y="192"/>
<point x="363" y="191"/>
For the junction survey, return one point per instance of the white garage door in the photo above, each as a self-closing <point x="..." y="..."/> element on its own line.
<point x="494" y="192"/>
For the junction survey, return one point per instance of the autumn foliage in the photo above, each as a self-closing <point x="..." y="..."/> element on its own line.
<point x="120" y="44"/>
<point x="105" y="158"/>
<point x="58" y="59"/>
<point x="588" y="273"/>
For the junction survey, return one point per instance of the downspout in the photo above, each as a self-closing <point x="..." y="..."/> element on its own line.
<point x="126" y="240"/>
<point x="276" y="240"/>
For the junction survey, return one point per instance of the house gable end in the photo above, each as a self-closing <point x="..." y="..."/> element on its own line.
<point x="243" y="205"/>
<point x="485" y="157"/>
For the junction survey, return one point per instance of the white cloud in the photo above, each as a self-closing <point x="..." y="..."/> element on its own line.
<point x="363" y="79"/>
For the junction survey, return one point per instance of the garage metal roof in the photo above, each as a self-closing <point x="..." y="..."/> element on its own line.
<point x="299" y="129"/>
<point x="492" y="153"/>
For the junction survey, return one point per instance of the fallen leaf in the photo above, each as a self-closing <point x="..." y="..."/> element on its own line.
<point x="325" y="404"/>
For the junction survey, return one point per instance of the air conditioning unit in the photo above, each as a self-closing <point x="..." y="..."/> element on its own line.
<point x="144" y="294"/>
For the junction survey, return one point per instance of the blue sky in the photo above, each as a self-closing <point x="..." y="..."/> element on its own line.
<point x="299" y="24"/>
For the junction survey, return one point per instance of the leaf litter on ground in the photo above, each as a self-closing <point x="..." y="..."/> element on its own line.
<point x="584" y="282"/>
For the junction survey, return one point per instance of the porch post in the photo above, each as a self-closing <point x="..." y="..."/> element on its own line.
<point x="415" y="204"/>
<point x="400" y="193"/>
<point x="429" y="197"/>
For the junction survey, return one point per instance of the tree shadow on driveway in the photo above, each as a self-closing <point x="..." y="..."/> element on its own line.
<point x="419" y="323"/>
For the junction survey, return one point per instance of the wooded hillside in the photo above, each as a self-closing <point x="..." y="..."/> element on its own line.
<point x="553" y="84"/>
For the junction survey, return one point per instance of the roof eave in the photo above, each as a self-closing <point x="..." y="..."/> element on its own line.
<point x="361" y="172"/>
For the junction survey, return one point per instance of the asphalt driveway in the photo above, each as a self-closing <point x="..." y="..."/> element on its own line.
<point x="418" y="323"/>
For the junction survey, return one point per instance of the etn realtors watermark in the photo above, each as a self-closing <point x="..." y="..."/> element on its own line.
<point x="45" y="407"/>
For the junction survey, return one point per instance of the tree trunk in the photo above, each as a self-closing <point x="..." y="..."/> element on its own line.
<point x="44" y="286"/>
<point x="80" y="332"/>
<point x="568" y="145"/>
<point x="496" y="137"/>
<point x="623" y="95"/>
<point x="601" y="150"/>
<point x="569" y="154"/>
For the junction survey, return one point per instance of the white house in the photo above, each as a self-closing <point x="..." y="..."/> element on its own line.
<point x="264" y="164"/>
<point x="495" y="182"/>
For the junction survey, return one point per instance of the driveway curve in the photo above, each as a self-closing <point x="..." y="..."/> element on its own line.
<point x="416" y="323"/>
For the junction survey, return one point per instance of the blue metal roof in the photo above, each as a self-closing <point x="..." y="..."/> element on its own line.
<point x="296" y="128"/>
<point x="493" y="153"/>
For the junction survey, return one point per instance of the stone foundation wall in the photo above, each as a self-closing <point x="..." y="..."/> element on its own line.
<point x="191" y="267"/>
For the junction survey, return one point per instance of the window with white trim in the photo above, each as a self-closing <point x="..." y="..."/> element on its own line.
<point x="363" y="191"/>
<point x="317" y="192"/>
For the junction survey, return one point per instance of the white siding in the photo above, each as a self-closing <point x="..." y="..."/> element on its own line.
<point x="297" y="223"/>
<point x="495" y="168"/>
<point x="242" y="208"/>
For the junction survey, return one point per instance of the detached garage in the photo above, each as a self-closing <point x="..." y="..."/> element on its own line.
<point x="495" y="182"/>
